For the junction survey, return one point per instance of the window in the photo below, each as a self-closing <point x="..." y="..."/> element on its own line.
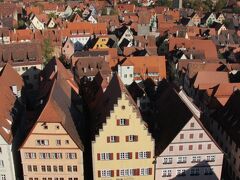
<point x="181" y="172"/>
<point x="211" y="158"/>
<point x="144" y="171"/>
<point x="167" y="173"/>
<point x="196" y="159"/>
<point x="29" y="167"/>
<point x="0" y="150"/>
<point x="132" y="138"/>
<point x="123" y="107"/>
<point x="60" y="168"/>
<point x="58" y="142"/>
<point x="112" y="139"/>
<point x="191" y="136"/>
<point x="170" y="148"/>
<point x="3" y="177"/>
<point x="167" y="160"/>
<point x="30" y="155"/>
<point x="192" y="125"/>
<point x="190" y="147"/>
<point x="49" y="168"/>
<point x="43" y="168"/>
<point x="74" y="168"/>
<point x="143" y="155"/>
<point x="180" y="148"/>
<point x="182" y="159"/>
<point x="69" y="168"/>
<point x="194" y="172"/>
<point x="181" y="136"/>
<point x="126" y="172"/>
<point x="34" y="168"/>
<point x="124" y="155"/>
<point x="208" y="171"/>
<point x="209" y="146"/>
<point x="42" y="142"/>
<point x="66" y="141"/>
<point x="200" y="146"/>
<point x="55" y="169"/>
<point x="106" y="173"/>
<point x="201" y="135"/>
<point x="125" y="75"/>
<point x="71" y="155"/>
<point x="123" y="122"/>
<point x="105" y="156"/>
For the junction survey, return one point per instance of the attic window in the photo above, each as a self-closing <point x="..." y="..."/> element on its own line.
<point x="192" y="125"/>
<point x="45" y="127"/>
<point x="57" y="127"/>
<point x="123" y="107"/>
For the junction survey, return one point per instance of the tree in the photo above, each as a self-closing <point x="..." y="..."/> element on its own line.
<point x="47" y="50"/>
<point x="220" y="5"/>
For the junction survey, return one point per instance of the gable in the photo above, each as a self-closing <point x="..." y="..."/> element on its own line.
<point x="124" y="109"/>
<point x="49" y="131"/>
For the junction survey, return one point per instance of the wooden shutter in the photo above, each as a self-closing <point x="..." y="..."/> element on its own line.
<point x="118" y="122"/>
<point x="108" y="139"/>
<point x="137" y="172"/>
<point x="111" y="156"/>
<point x="112" y="173"/>
<point x="136" y="155"/>
<point x="98" y="156"/>
<point x="136" y="138"/>
<point x="117" y="172"/>
<point x="127" y="122"/>
<point x="150" y="171"/>
<point x="117" y="138"/>
<point x="99" y="173"/>
<point x="117" y="155"/>
<point x="127" y="139"/>
<point x="130" y="155"/>
<point x="148" y="154"/>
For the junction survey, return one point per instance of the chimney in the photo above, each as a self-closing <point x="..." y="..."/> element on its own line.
<point x="177" y="33"/>
<point x="138" y="102"/>
<point x="228" y="36"/>
<point x="139" y="44"/>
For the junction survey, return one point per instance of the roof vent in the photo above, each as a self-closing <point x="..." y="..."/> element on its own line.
<point x="6" y="130"/>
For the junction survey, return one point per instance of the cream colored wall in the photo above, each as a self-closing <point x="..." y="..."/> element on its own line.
<point x="136" y="127"/>
<point x="101" y="43"/>
<point x="187" y="130"/>
<point x="52" y="134"/>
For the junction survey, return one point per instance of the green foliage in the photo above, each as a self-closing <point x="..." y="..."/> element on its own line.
<point x="104" y="11"/>
<point x="220" y="5"/>
<point x="113" y="12"/>
<point x="47" y="50"/>
<point x="52" y="15"/>
<point x="167" y="3"/>
<point x="236" y="10"/>
<point x="137" y="3"/>
<point x="21" y="24"/>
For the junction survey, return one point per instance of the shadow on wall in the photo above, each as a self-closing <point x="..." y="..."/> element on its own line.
<point x="201" y="171"/>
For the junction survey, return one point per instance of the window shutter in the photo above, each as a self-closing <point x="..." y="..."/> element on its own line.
<point x="112" y="173"/>
<point x="118" y="122"/>
<point x="127" y="139"/>
<point x="111" y="156"/>
<point x="149" y="154"/>
<point x="117" y="155"/>
<point x="117" y="172"/>
<point x="98" y="156"/>
<point x="136" y="138"/>
<point x="138" y="172"/>
<point x="136" y="155"/>
<point x="108" y="139"/>
<point x="150" y="171"/>
<point x="130" y="155"/>
<point x="117" y="138"/>
<point x="127" y="122"/>
<point x="99" y="173"/>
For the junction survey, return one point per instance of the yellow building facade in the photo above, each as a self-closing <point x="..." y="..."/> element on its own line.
<point x="123" y="148"/>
